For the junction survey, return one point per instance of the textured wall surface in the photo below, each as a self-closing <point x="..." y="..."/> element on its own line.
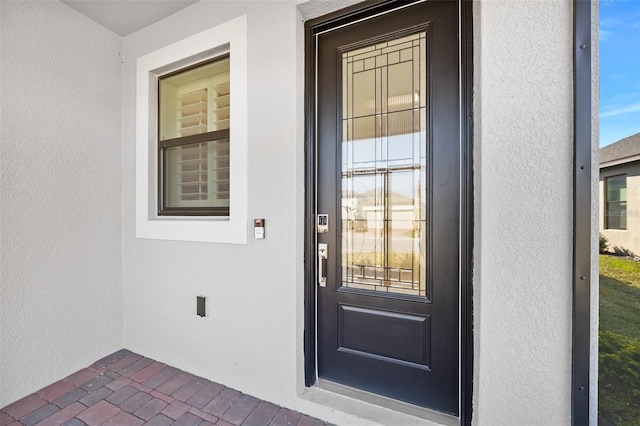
<point x="68" y="213"/>
<point x="61" y="287"/>
<point x="313" y="9"/>
<point x="523" y="225"/>
<point x="249" y="340"/>
<point x="252" y="339"/>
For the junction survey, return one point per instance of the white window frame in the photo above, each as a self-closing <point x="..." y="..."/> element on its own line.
<point x="230" y="36"/>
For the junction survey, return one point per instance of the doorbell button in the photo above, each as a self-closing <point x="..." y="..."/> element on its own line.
<point x="258" y="229"/>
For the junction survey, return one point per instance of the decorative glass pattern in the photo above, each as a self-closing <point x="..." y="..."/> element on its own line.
<point x="384" y="159"/>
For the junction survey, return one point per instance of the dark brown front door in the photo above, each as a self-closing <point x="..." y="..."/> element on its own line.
<point x="388" y="177"/>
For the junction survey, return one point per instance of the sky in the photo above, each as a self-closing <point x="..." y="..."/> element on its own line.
<point x="619" y="69"/>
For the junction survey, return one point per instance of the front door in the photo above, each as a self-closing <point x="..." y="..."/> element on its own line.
<point x="388" y="178"/>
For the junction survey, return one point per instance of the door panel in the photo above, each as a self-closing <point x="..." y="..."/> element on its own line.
<point x="388" y="155"/>
<point x="376" y="333"/>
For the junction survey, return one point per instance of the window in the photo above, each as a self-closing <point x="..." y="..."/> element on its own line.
<point x="616" y="207"/>
<point x="193" y="140"/>
<point x="176" y="126"/>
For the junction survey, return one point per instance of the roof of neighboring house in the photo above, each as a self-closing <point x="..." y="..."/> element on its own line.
<point x="623" y="151"/>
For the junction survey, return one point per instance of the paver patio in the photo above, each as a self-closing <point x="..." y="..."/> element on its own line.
<point x="127" y="389"/>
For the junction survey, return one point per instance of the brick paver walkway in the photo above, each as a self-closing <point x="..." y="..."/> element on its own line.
<point x="127" y="389"/>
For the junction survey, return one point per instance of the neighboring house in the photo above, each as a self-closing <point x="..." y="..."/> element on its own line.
<point x="620" y="195"/>
<point x="466" y="307"/>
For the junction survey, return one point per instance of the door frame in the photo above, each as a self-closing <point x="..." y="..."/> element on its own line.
<point x="340" y="18"/>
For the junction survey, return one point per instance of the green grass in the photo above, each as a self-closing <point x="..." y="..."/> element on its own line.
<point x="619" y="359"/>
<point x="620" y="296"/>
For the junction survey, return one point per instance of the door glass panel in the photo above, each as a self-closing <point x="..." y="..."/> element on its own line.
<point x="384" y="166"/>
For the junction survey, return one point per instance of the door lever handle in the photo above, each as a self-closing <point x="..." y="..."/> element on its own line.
<point x="322" y="264"/>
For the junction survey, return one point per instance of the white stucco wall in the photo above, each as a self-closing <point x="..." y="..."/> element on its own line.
<point x="249" y="340"/>
<point x="66" y="257"/>
<point x="61" y="284"/>
<point x="523" y="225"/>
<point x="253" y="337"/>
<point x="523" y="220"/>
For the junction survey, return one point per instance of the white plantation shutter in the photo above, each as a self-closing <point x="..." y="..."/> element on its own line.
<point x="222" y="105"/>
<point x="193" y="112"/>
<point x="219" y="171"/>
<point x="193" y="170"/>
<point x="197" y="102"/>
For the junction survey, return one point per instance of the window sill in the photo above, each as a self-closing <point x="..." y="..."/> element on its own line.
<point x="198" y="229"/>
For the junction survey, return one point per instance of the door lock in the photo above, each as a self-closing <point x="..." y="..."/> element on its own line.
<point x="323" y="223"/>
<point x="322" y="264"/>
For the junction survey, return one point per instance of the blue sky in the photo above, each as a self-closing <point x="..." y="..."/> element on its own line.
<point x="619" y="69"/>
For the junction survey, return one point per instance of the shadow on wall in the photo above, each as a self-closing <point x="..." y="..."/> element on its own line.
<point x="621" y="251"/>
<point x="604" y="248"/>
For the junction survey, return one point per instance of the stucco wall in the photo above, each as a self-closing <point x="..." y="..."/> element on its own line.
<point x="249" y="340"/>
<point x="61" y="286"/>
<point x="523" y="220"/>
<point x="252" y="339"/>
<point x="622" y="240"/>
<point x="63" y="264"/>
<point x="523" y="208"/>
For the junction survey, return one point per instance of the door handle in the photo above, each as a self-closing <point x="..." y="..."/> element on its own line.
<point x="322" y="264"/>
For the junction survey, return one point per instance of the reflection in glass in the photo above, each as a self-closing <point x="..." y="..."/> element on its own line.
<point x="384" y="166"/>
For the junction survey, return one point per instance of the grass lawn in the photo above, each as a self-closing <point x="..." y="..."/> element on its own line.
<point x="619" y="359"/>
